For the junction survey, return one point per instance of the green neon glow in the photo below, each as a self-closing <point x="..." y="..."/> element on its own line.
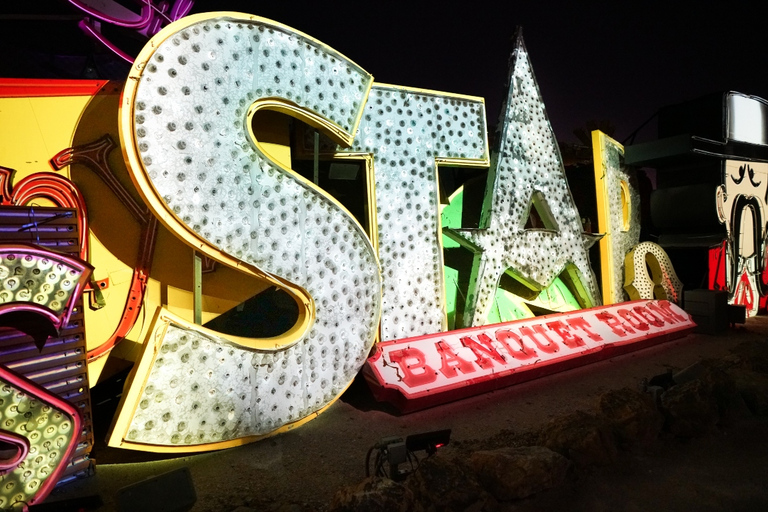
<point x="450" y="217"/>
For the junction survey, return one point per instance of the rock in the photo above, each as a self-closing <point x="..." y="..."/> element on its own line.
<point x="719" y="379"/>
<point x="375" y="494"/>
<point x="694" y="371"/>
<point x="690" y="408"/>
<point x="753" y="355"/>
<point x="507" y="438"/>
<point x="444" y="485"/>
<point x="752" y="386"/>
<point x="583" y="438"/>
<point x="290" y="507"/>
<point x="516" y="473"/>
<point x="633" y="416"/>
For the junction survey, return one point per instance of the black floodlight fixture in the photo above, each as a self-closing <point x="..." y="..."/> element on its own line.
<point x="428" y="441"/>
<point x="392" y="452"/>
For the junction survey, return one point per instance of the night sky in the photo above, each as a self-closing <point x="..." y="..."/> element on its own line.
<point x="595" y="60"/>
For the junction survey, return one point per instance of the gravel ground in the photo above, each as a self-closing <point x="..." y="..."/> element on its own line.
<point x="302" y="469"/>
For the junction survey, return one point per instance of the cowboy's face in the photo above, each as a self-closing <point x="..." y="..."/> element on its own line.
<point x="744" y="180"/>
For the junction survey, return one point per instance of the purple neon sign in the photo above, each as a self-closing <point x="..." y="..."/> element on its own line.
<point x="152" y="16"/>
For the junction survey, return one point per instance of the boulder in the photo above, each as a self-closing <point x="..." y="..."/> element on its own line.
<point x="731" y="406"/>
<point x="375" y="494"/>
<point x="445" y="485"/>
<point x="752" y="386"/>
<point x="753" y="355"/>
<point x="690" y="408"/>
<point x="633" y="416"/>
<point x="584" y="438"/>
<point x="516" y="473"/>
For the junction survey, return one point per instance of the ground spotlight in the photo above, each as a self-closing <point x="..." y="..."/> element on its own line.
<point x="392" y="452"/>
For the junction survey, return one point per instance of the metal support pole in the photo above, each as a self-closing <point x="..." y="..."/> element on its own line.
<point x="198" y="289"/>
<point x="317" y="158"/>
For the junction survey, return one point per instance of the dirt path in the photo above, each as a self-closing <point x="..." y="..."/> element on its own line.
<point x="305" y="467"/>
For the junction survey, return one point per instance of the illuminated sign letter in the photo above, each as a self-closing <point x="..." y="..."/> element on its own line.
<point x="566" y="336"/>
<point x="662" y="283"/>
<point x="514" y="345"/>
<point x="186" y="125"/>
<point x="580" y="323"/>
<point x="410" y="360"/>
<point x="452" y="362"/>
<point x="618" y="213"/>
<point x="483" y="349"/>
<point x="526" y="167"/>
<point x="44" y="429"/>
<point x="530" y="332"/>
<point x="410" y="133"/>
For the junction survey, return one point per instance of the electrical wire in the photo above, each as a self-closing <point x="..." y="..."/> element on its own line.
<point x="381" y="461"/>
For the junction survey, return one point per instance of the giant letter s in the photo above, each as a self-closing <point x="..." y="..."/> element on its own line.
<point x="186" y="132"/>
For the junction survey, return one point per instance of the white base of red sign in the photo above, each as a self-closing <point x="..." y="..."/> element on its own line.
<point x="416" y="373"/>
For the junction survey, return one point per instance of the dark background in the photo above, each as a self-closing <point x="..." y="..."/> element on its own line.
<point x="615" y="61"/>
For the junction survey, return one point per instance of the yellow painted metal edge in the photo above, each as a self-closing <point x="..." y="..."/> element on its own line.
<point x="603" y="221"/>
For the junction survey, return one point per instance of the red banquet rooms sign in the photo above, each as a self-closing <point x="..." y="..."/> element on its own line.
<point x="415" y="373"/>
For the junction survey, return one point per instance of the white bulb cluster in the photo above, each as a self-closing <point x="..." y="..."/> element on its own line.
<point x="26" y="276"/>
